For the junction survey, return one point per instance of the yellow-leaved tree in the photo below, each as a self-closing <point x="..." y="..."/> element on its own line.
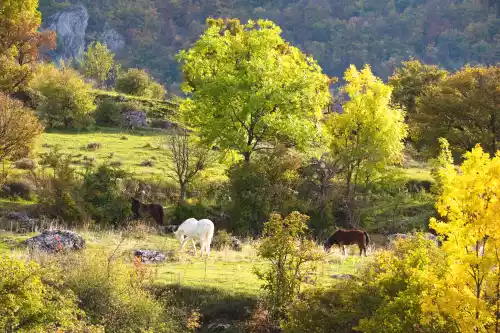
<point x="468" y="200"/>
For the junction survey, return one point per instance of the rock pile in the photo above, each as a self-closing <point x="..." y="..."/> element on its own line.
<point x="150" y="256"/>
<point x="134" y="119"/>
<point x="56" y="240"/>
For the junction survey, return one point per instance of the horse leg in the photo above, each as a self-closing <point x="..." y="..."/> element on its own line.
<point x="194" y="245"/>
<point x="183" y="242"/>
<point x="202" y="246"/>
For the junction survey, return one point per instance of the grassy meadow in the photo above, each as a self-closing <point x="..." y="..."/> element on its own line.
<point x="228" y="271"/>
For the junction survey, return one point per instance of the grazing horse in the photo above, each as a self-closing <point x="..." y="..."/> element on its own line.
<point x="191" y="229"/>
<point x="155" y="210"/>
<point x="348" y="237"/>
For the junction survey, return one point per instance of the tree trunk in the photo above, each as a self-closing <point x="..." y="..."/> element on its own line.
<point x="182" y="191"/>
<point x="247" y="156"/>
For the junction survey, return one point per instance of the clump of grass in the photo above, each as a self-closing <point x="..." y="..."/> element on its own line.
<point x="94" y="146"/>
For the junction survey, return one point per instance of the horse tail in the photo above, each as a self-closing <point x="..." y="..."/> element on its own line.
<point x="367" y="238"/>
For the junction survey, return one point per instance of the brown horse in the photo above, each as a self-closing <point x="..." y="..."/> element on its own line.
<point x="155" y="210"/>
<point x="348" y="237"/>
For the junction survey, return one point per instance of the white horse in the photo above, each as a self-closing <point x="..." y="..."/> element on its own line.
<point x="191" y="229"/>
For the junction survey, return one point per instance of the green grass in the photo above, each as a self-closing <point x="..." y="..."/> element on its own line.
<point x="227" y="271"/>
<point x="130" y="148"/>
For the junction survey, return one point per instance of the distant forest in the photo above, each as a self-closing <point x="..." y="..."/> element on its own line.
<point x="337" y="33"/>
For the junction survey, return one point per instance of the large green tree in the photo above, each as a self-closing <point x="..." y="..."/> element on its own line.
<point x="409" y="80"/>
<point x="367" y="135"/>
<point x="20" y="41"/>
<point x="98" y="62"/>
<point x="464" y="109"/>
<point x="248" y="88"/>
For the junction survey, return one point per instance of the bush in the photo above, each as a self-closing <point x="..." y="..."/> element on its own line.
<point x="112" y="294"/>
<point x="57" y="194"/>
<point x="222" y="239"/>
<point x="291" y="255"/>
<point x="389" y="297"/>
<point x="102" y="197"/>
<point x="63" y="98"/>
<point x="108" y="113"/>
<point x="260" y="187"/>
<point x="183" y="211"/>
<point x="19" y="128"/>
<point x="139" y="83"/>
<point x="33" y="300"/>
<point x="21" y="189"/>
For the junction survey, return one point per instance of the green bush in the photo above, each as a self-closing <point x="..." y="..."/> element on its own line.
<point x="111" y="293"/>
<point x="32" y="299"/>
<point x="183" y="211"/>
<point x="57" y="194"/>
<point x="261" y="187"/>
<point x="337" y="309"/>
<point x="388" y="297"/>
<point x="63" y="98"/>
<point x="102" y="197"/>
<point x="221" y="240"/>
<point x="139" y="83"/>
<point x="108" y="112"/>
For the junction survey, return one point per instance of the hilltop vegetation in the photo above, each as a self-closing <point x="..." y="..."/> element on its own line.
<point x="449" y="33"/>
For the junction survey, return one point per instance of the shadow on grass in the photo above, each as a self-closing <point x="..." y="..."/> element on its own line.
<point x="212" y="303"/>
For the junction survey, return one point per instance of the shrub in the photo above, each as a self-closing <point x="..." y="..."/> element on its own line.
<point x="112" y="294"/>
<point x="260" y="187"/>
<point x="19" y="128"/>
<point x="139" y="83"/>
<point x="33" y="300"/>
<point x="63" y="98"/>
<point x="291" y="255"/>
<point x="25" y="164"/>
<point x="222" y="239"/>
<point x="21" y="189"/>
<point x="388" y="298"/>
<point x="108" y="113"/>
<point x="102" y="197"/>
<point x="57" y="197"/>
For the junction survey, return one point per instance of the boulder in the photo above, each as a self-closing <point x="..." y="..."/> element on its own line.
<point x="133" y="119"/>
<point x="112" y="38"/>
<point x="70" y="25"/>
<point x="56" y="240"/>
<point x="150" y="256"/>
<point x="18" y="216"/>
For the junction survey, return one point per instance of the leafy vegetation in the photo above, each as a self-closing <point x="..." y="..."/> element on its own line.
<point x="98" y="62"/>
<point x="63" y="98"/>
<point x="252" y="88"/>
<point x="337" y="33"/>
<point x="19" y="129"/>
<point x="139" y="83"/>
<point x="21" y="39"/>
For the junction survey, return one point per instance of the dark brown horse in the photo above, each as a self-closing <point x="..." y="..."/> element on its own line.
<point x="348" y="237"/>
<point x="155" y="210"/>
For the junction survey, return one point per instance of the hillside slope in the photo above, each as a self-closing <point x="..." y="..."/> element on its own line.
<point x="381" y="33"/>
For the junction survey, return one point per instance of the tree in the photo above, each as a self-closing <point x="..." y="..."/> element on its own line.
<point x="20" y="42"/>
<point x="409" y="81"/>
<point x="369" y="133"/>
<point x="63" y="98"/>
<point x="98" y="62"/>
<point x="463" y="108"/>
<point x="19" y="127"/>
<point x="139" y="83"/>
<point x="292" y="257"/>
<point x="470" y="293"/>
<point x="248" y="88"/>
<point x="187" y="159"/>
